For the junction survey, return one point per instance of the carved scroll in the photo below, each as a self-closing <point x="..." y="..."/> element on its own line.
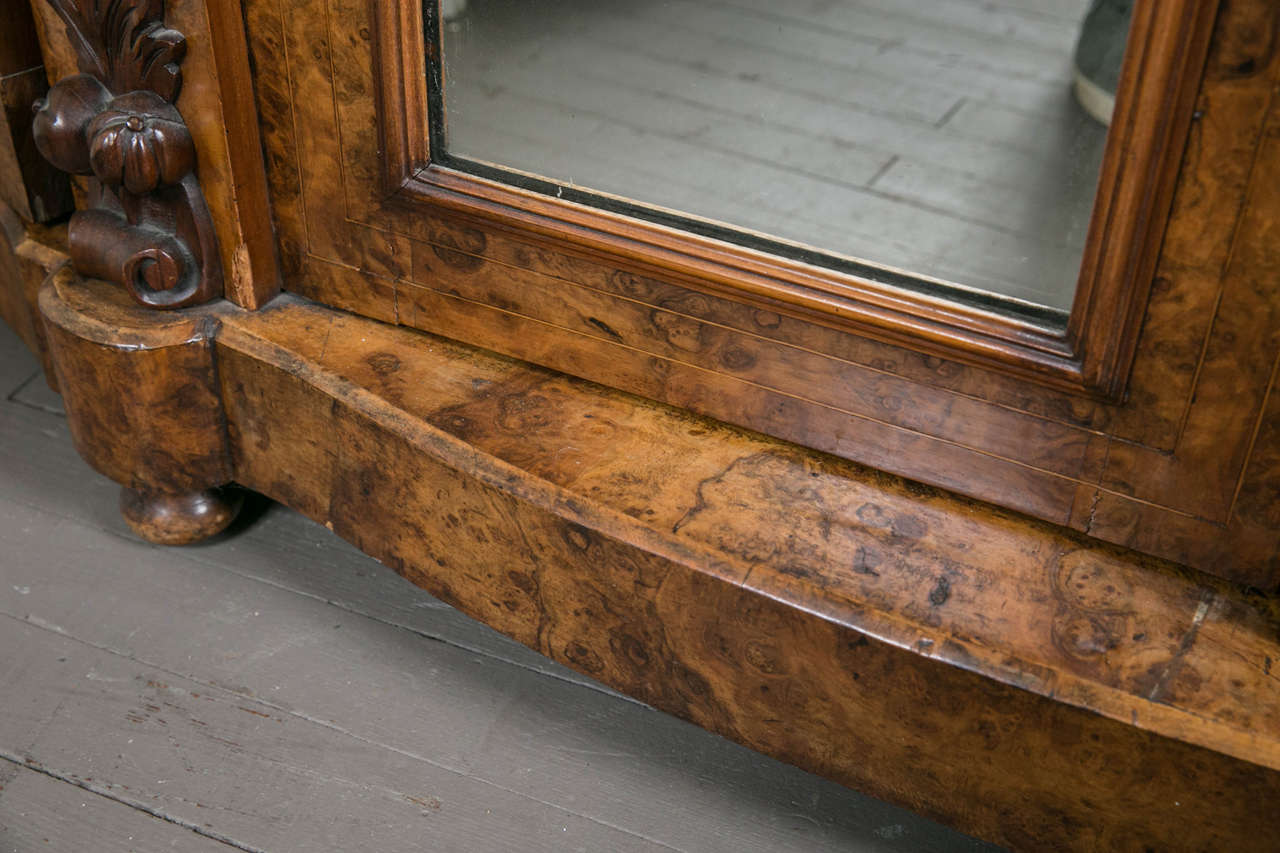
<point x="148" y="227"/>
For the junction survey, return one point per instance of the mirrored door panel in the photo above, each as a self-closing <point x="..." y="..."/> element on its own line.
<point x="940" y="145"/>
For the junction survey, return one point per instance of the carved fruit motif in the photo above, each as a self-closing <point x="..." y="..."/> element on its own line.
<point x="141" y="143"/>
<point x="62" y="119"/>
<point x="149" y="228"/>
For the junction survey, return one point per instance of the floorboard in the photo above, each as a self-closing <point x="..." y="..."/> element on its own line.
<point x="276" y="690"/>
<point x="43" y="811"/>
<point x="921" y="136"/>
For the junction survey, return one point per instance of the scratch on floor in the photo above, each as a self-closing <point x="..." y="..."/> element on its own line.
<point x="46" y="624"/>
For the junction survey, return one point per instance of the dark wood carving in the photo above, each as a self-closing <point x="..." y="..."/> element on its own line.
<point x="148" y="227"/>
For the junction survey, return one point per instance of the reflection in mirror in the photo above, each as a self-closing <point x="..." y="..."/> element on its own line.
<point x="928" y="144"/>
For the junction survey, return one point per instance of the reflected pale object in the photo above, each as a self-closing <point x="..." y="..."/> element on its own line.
<point x="941" y="139"/>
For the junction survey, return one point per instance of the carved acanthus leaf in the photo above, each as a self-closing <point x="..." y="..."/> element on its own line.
<point x="125" y="44"/>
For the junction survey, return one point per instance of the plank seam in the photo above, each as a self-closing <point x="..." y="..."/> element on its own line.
<point x="56" y="630"/>
<point x="34" y="765"/>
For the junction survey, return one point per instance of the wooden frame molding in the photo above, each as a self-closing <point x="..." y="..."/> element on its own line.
<point x="890" y="636"/>
<point x="1092" y="354"/>
<point x="1168" y="45"/>
<point x="367" y="223"/>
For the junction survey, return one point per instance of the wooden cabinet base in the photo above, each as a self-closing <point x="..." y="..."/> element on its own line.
<point x="143" y="405"/>
<point x="1007" y="676"/>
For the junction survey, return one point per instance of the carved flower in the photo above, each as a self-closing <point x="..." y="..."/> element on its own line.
<point x="140" y="142"/>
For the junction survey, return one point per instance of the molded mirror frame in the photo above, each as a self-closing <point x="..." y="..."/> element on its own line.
<point x="1168" y="44"/>
<point x="1183" y="467"/>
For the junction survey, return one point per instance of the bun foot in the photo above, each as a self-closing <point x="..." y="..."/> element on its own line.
<point x="169" y="519"/>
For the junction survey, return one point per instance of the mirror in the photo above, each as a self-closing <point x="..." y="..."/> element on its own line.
<point x="948" y="146"/>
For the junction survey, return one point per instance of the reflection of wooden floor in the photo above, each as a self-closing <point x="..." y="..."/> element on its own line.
<point x="938" y="136"/>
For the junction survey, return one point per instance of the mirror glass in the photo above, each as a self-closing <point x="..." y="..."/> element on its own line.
<point x="939" y="145"/>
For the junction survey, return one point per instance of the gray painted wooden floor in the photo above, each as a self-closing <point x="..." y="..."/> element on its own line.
<point x="936" y="136"/>
<point x="276" y="690"/>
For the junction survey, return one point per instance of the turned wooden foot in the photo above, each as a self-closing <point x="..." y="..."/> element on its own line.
<point x="143" y="404"/>
<point x="181" y="519"/>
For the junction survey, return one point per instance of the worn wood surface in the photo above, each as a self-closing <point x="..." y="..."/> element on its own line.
<point x="144" y="406"/>
<point x="887" y="635"/>
<point x="17" y="309"/>
<point x="261" y="652"/>
<point x="1181" y="468"/>
<point x="1019" y="680"/>
<point x="42" y="812"/>
<point x="1159" y="79"/>
<point x="622" y="565"/>
<point x="952" y="611"/>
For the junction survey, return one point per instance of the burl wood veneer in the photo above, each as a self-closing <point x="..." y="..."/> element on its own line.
<point x="1150" y="422"/>
<point x="1016" y="676"/>
<point x="143" y="406"/>
<point x="1012" y="678"/>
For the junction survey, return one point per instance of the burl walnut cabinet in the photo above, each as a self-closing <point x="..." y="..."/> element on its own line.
<point x="1022" y="576"/>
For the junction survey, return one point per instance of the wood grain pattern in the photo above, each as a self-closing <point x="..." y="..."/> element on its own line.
<point x="255" y="271"/>
<point x="142" y="405"/>
<point x="885" y="634"/>
<point x="1156" y="471"/>
<point x="1147" y="138"/>
<point x="520" y="752"/>
<point x="882" y="620"/>
<point x="1019" y="679"/>
<point x="1163" y="61"/>
<point x="41" y="812"/>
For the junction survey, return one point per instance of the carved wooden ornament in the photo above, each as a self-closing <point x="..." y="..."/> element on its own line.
<point x="148" y="227"/>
